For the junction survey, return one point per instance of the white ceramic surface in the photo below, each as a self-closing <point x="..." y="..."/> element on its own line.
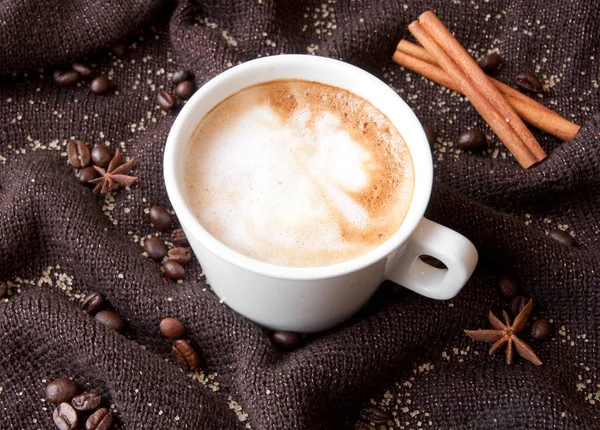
<point x="316" y="298"/>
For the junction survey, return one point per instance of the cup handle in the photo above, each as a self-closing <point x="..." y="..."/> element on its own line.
<point x="451" y="248"/>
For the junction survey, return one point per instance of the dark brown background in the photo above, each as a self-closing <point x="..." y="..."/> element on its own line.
<point x="58" y="241"/>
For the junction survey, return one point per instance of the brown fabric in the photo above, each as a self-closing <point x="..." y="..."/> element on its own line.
<point x="59" y="241"/>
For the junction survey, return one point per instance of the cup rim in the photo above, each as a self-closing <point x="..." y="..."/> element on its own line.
<point x="422" y="184"/>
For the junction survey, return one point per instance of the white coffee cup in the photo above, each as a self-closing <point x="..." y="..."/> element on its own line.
<point x="316" y="298"/>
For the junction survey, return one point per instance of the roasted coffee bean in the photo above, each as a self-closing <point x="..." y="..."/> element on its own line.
<point x="65" y="78"/>
<point x="375" y="415"/>
<point x="180" y="76"/>
<point x="172" y="328"/>
<point x="173" y="270"/>
<point x="165" y="100"/>
<point x="286" y="340"/>
<point x="86" y="401"/>
<point x="363" y="426"/>
<point x="100" y="420"/>
<point x="508" y="287"/>
<point x="61" y="390"/>
<point x="119" y="49"/>
<point x="78" y="153"/>
<point x="160" y="218"/>
<point x="178" y="237"/>
<point x="3" y="290"/>
<point x="430" y="133"/>
<point x="186" y="355"/>
<point x="180" y="255"/>
<point x="93" y="303"/>
<point x="561" y="237"/>
<point x="491" y="63"/>
<point x="540" y="329"/>
<point x="110" y="319"/>
<point x="527" y="81"/>
<point x="518" y="304"/>
<point x="185" y="90"/>
<point x="472" y="140"/>
<point x="155" y="248"/>
<point x="65" y="417"/>
<point x="86" y="174"/>
<point x="101" y="156"/>
<point x="83" y="69"/>
<point x="100" y="85"/>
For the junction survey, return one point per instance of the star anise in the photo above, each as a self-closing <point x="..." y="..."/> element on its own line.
<point x="506" y="333"/>
<point x="115" y="176"/>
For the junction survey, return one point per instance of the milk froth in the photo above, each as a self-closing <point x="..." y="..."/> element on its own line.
<point x="298" y="173"/>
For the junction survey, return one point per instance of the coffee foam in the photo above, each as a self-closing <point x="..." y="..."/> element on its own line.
<point x="298" y="173"/>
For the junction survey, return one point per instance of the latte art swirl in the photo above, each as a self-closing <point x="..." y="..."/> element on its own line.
<point x="298" y="173"/>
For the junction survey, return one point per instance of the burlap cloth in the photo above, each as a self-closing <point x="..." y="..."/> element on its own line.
<point x="58" y="241"/>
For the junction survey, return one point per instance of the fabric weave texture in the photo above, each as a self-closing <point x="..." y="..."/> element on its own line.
<point x="409" y="353"/>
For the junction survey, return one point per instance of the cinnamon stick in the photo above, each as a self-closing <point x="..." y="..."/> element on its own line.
<point x="415" y="51"/>
<point x="477" y="82"/>
<point x="426" y="69"/>
<point x="422" y="54"/>
<point x="417" y="59"/>
<point x="497" y="122"/>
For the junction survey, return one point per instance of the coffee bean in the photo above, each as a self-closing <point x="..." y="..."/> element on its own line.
<point x="561" y="237"/>
<point x="160" y="218"/>
<point x="173" y="270"/>
<point x="93" y="303"/>
<point x="472" y="140"/>
<point x="180" y="255"/>
<point x="186" y="355"/>
<point x="155" y="248"/>
<point x="83" y="69"/>
<point x="527" y="81"/>
<point x="61" y="390"/>
<point x="172" y="328"/>
<point x="110" y="319"/>
<point x="508" y="287"/>
<point x="363" y="426"/>
<point x="3" y="290"/>
<point x="86" y="174"/>
<point x="119" y="49"/>
<point x="518" y="304"/>
<point x="101" y="155"/>
<point x="165" y="100"/>
<point x="65" y="78"/>
<point x="100" y="420"/>
<point x="286" y="340"/>
<point x="78" y="153"/>
<point x="65" y="417"/>
<point x="185" y="90"/>
<point x="375" y="415"/>
<point x="430" y="133"/>
<point x="540" y="329"/>
<point x="100" y="85"/>
<point x="491" y="63"/>
<point x="86" y="401"/>
<point x="180" y="76"/>
<point x="178" y="237"/>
